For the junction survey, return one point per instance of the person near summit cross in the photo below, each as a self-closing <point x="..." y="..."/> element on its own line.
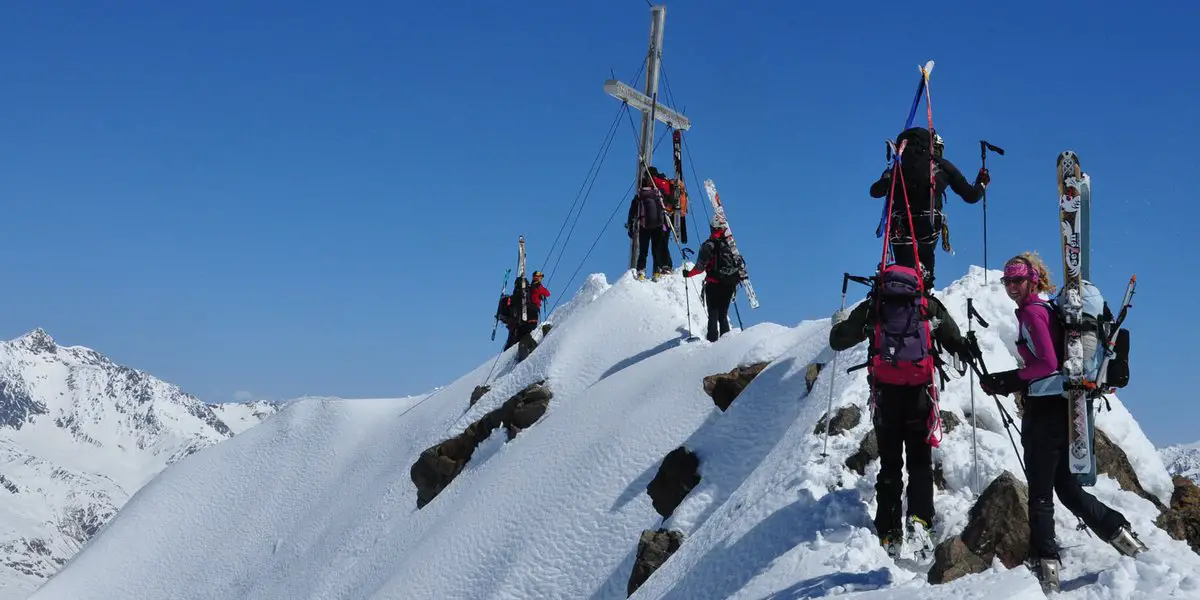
<point x="723" y="273"/>
<point x="904" y="417"/>
<point x="1044" y="423"/>
<point x="928" y="221"/>
<point x="646" y="213"/>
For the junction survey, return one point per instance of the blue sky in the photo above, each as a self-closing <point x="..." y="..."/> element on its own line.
<point x="322" y="199"/>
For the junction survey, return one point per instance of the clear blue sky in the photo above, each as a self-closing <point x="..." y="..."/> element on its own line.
<point x="305" y="198"/>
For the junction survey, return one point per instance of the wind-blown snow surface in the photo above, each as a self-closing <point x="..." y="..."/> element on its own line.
<point x="1183" y="460"/>
<point x="317" y="502"/>
<point x="78" y="435"/>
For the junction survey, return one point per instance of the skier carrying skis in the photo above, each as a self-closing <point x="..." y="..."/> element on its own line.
<point x="517" y="329"/>
<point x="928" y="221"/>
<point x="1044" y="423"/>
<point x="724" y="272"/>
<point x="647" y="214"/>
<point x="906" y="417"/>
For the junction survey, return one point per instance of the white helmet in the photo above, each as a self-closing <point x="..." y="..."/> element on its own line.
<point x="718" y="222"/>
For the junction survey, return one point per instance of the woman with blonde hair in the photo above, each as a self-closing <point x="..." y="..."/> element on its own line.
<point x="1045" y="422"/>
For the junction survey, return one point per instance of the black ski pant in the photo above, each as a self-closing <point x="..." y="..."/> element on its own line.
<point x="901" y="427"/>
<point x="656" y="241"/>
<point x="717" y="297"/>
<point x="902" y="251"/>
<point x="516" y="332"/>
<point x="1047" y="468"/>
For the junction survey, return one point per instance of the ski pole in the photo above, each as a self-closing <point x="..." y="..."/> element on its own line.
<point x="687" y="291"/>
<point x="974" y="420"/>
<point x="1005" y="417"/>
<point x="833" y="373"/>
<point x="984" y="146"/>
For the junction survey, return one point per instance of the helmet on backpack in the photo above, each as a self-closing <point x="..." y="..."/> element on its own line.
<point x="939" y="145"/>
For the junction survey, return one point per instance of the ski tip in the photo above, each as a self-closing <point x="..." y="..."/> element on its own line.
<point x="1133" y="279"/>
<point x="927" y="69"/>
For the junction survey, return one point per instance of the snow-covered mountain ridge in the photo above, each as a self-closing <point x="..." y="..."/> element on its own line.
<point x="79" y="435"/>
<point x="319" y="501"/>
<point x="1183" y="460"/>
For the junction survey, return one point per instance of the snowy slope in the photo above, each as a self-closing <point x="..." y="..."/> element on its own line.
<point x="317" y="502"/>
<point x="1183" y="460"/>
<point x="240" y="416"/>
<point x="79" y="434"/>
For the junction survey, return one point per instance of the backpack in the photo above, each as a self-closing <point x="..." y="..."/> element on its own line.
<point x="1097" y="327"/>
<point x="915" y="166"/>
<point x="728" y="266"/>
<point x="901" y="351"/>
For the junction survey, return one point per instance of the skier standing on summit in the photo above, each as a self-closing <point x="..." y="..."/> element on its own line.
<point x="918" y="158"/>
<point x="725" y="271"/>
<point x="1044" y="424"/>
<point x="646" y="212"/>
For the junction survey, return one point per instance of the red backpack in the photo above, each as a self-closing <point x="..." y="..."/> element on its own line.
<point x="901" y="350"/>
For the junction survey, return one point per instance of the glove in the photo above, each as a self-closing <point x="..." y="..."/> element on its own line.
<point x="1002" y="383"/>
<point x="983" y="177"/>
<point x="840" y="315"/>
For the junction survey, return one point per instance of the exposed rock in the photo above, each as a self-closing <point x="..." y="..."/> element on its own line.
<point x="524" y="409"/>
<point x="1112" y="461"/>
<point x="438" y="465"/>
<point x="846" y="418"/>
<point x="949" y="421"/>
<point x="17" y="407"/>
<point x="939" y="477"/>
<point x="952" y="559"/>
<point x="1182" y="520"/>
<point x="811" y="373"/>
<point x="724" y="388"/>
<point x="479" y="392"/>
<point x="678" y="474"/>
<point x="546" y="329"/>
<point x="868" y="451"/>
<point x="997" y="527"/>
<point x="654" y="548"/>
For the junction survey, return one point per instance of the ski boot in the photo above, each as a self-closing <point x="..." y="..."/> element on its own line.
<point x="1046" y="570"/>
<point x="1126" y="542"/>
<point x="892" y="543"/>
<point x="641" y="275"/>
<point x="919" y="537"/>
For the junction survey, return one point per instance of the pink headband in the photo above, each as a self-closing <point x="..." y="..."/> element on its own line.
<point x="1020" y="269"/>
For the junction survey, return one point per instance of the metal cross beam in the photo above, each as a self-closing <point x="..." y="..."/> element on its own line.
<point x="642" y="102"/>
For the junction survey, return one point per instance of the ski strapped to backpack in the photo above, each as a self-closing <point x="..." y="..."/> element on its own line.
<point x="719" y="210"/>
<point x="679" y="197"/>
<point x="500" y="307"/>
<point x="922" y="85"/>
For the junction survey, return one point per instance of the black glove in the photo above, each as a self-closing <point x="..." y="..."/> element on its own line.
<point x="983" y="177"/>
<point x="1002" y="383"/>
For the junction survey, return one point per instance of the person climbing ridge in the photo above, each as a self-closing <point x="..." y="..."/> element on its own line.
<point x="1044" y="424"/>
<point x="724" y="271"/>
<point x="917" y="160"/>
<point x="898" y="315"/>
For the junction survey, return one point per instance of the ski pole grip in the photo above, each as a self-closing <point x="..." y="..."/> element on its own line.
<point x="845" y="283"/>
<point x="972" y="313"/>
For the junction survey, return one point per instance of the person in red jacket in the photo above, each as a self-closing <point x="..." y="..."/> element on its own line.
<point x="718" y="287"/>
<point x="517" y="329"/>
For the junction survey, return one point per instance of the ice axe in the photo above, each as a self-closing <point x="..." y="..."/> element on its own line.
<point x="984" y="146"/>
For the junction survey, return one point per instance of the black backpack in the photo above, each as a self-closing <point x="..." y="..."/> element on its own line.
<point x="915" y="165"/>
<point x="728" y="266"/>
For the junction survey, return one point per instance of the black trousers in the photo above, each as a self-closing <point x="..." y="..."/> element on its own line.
<point x="903" y="253"/>
<point x="656" y="241"/>
<point x="516" y="332"/>
<point x="717" y="297"/>
<point x="1047" y="468"/>
<point x="901" y="417"/>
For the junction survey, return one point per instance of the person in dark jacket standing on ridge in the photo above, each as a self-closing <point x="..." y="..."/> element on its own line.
<point x="517" y="329"/>
<point x="717" y="293"/>
<point x="647" y="214"/>
<point x="1044" y="425"/>
<point x="928" y="220"/>
<point x="902" y="417"/>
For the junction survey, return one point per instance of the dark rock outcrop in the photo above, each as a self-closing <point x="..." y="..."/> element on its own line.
<point x="438" y="465"/>
<point x="678" y="474"/>
<point x="949" y="421"/>
<point x="868" y="451"/>
<point x="724" y="388"/>
<point x="654" y="548"/>
<point x="846" y="418"/>
<point x="811" y="373"/>
<point x="1182" y="520"/>
<point x="479" y="392"/>
<point x="1112" y="461"/>
<point x="997" y="527"/>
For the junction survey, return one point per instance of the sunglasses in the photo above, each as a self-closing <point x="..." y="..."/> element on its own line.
<point x="1013" y="280"/>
